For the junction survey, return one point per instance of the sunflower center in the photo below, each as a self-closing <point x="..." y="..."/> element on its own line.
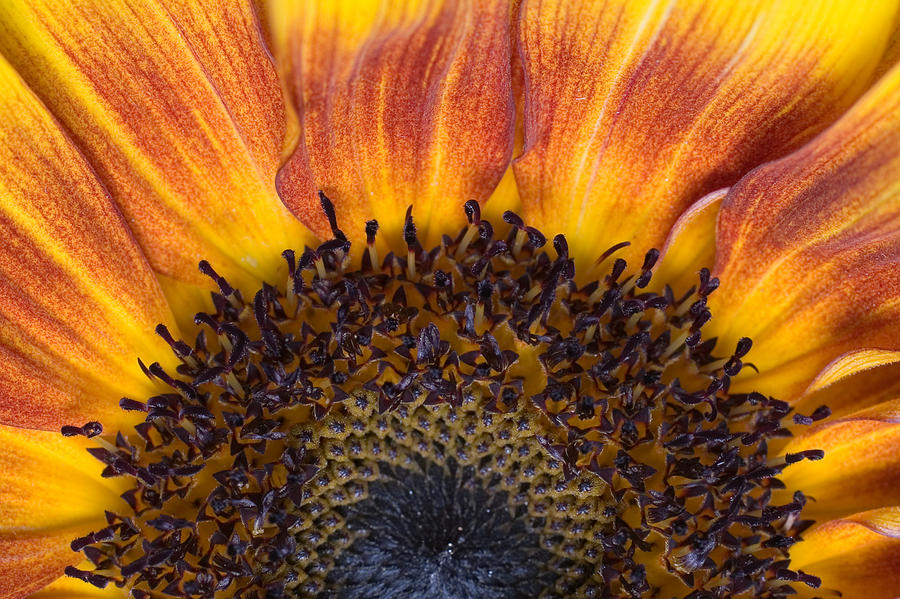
<point x="464" y="421"/>
<point x="434" y="531"/>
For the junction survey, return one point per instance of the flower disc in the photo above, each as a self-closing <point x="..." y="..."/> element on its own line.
<point x="455" y="422"/>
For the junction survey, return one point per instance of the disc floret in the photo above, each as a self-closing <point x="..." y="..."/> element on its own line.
<point x="593" y="420"/>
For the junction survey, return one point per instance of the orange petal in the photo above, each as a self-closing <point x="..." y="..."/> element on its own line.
<point x="400" y="104"/>
<point x="179" y="111"/>
<point x="855" y="392"/>
<point x="635" y="110"/>
<point x="78" y="302"/>
<point x="50" y="493"/>
<point x="808" y="253"/>
<point x="861" y="467"/>
<point x="858" y="555"/>
<point x="30" y="563"/>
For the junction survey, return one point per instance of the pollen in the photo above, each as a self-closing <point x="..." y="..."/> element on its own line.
<point x="459" y="421"/>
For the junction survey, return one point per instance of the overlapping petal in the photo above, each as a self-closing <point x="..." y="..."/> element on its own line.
<point x="50" y="493"/>
<point x="179" y="111"/>
<point x="808" y="251"/>
<point x="855" y="392"/>
<point x="634" y="110"/>
<point x="861" y="467"/>
<point x="892" y="53"/>
<point x="691" y="244"/>
<point x="859" y="555"/>
<point x="31" y="562"/>
<point x="78" y="301"/>
<point x="399" y="103"/>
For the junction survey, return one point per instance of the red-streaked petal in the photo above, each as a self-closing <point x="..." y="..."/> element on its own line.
<point x="635" y="110"/>
<point x="50" y="493"/>
<point x="809" y="250"/>
<point x="29" y="563"/>
<point x="400" y="104"/>
<point x="861" y="467"/>
<point x="179" y="111"/>
<point x="858" y="555"/>
<point x="225" y="38"/>
<point x="78" y="301"/>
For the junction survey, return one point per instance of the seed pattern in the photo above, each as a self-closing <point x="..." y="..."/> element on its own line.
<point x="613" y="381"/>
<point x="553" y="526"/>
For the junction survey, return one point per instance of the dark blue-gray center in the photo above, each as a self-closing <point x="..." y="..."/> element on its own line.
<point x="438" y="532"/>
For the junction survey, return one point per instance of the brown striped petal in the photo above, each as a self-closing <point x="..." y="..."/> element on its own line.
<point x="399" y="103"/>
<point x="861" y="467"/>
<point x="50" y="493"/>
<point x="858" y="555"/>
<point x="635" y="110"/>
<point x="78" y="301"/>
<point x="809" y="251"/>
<point x="179" y="110"/>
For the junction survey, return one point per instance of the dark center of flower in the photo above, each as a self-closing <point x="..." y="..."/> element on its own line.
<point x="459" y="422"/>
<point x="437" y="531"/>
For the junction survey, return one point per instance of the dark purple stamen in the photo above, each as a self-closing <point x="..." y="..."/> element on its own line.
<point x="285" y="407"/>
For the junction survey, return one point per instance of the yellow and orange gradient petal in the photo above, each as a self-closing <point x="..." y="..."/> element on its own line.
<point x="420" y="102"/>
<point x="50" y="493"/>
<point x="178" y="108"/>
<point x="397" y="105"/>
<point x="78" y="301"/>
<point x="861" y="466"/>
<point x="861" y="390"/>
<point x="634" y="110"/>
<point x="859" y="555"/>
<point x="808" y="251"/>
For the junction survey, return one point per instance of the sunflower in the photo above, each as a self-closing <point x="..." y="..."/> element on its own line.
<point x="554" y="298"/>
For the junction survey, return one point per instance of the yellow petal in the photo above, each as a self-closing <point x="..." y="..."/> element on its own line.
<point x="809" y="250"/>
<point x="636" y="109"/>
<point x="78" y="301"/>
<point x="892" y="53"/>
<point x="691" y="244"/>
<point x="400" y="103"/>
<point x="50" y="494"/>
<point x="179" y="111"/>
<point x="505" y="197"/>
<point x="850" y="363"/>
<point x="858" y="555"/>
<point x="72" y="588"/>
<point x="861" y="467"/>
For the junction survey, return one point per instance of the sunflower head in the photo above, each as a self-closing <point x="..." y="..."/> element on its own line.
<point x="476" y="292"/>
<point x="466" y="416"/>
